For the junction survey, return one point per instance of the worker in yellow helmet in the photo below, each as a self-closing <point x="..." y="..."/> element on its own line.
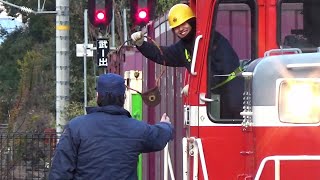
<point x="182" y="21"/>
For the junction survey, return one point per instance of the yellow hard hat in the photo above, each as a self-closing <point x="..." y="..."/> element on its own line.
<point x="179" y="14"/>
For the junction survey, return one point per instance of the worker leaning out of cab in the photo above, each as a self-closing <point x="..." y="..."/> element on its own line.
<point x="182" y="21"/>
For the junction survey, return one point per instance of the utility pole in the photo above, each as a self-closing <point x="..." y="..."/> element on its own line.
<point x="62" y="62"/>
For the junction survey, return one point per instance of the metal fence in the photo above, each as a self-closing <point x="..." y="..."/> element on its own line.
<point x="26" y="155"/>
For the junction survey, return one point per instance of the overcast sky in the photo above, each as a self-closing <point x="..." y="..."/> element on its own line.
<point x="7" y="22"/>
<point x="3" y="14"/>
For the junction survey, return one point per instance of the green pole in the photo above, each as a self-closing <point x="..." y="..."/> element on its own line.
<point x="137" y="114"/>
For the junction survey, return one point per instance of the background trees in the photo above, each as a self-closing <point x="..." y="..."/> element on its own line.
<point x="27" y="64"/>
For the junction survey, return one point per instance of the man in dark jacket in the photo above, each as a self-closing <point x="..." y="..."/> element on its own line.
<point x="224" y="59"/>
<point x="106" y="143"/>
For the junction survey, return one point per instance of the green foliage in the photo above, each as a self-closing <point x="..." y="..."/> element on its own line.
<point x="164" y="5"/>
<point x="34" y="45"/>
<point x="29" y="70"/>
<point x="76" y="109"/>
<point x="3" y="32"/>
<point x="27" y="62"/>
<point x="12" y="48"/>
<point x="42" y="28"/>
<point x="33" y="90"/>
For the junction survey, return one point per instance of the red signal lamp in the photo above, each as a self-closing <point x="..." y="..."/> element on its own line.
<point x="100" y="17"/>
<point x="142" y="14"/>
<point x="100" y="12"/>
<point x="142" y="11"/>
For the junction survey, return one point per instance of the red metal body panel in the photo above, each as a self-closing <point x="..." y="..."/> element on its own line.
<point x="204" y="29"/>
<point x="261" y="27"/>
<point x="271" y="25"/>
<point x="223" y="147"/>
<point x="288" y="141"/>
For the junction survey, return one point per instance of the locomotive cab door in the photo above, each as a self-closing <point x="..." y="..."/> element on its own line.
<point x="226" y="40"/>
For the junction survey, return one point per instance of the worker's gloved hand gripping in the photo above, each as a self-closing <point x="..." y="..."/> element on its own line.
<point x="137" y="38"/>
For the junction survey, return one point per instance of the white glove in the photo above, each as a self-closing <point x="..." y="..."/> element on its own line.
<point x="185" y="90"/>
<point x="165" y="118"/>
<point x="137" y="38"/>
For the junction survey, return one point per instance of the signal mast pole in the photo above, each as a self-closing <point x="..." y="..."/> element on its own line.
<point x="62" y="62"/>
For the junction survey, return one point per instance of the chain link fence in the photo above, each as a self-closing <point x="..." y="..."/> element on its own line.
<point x="26" y="155"/>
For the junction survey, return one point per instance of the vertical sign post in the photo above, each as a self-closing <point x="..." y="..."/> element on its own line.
<point x="102" y="52"/>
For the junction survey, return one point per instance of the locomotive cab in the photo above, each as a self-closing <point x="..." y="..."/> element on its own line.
<point x="274" y="90"/>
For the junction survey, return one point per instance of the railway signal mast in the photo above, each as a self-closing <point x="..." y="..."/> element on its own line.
<point x="100" y="16"/>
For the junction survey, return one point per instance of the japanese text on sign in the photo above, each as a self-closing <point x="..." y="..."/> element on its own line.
<point x="102" y="52"/>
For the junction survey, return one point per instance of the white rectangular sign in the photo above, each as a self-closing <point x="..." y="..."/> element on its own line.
<point x="80" y="50"/>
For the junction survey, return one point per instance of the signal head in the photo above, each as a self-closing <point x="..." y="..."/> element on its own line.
<point x="142" y="11"/>
<point x="100" y="12"/>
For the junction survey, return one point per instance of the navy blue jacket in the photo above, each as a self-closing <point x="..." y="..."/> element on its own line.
<point x="105" y="144"/>
<point x="223" y="60"/>
<point x="173" y="55"/>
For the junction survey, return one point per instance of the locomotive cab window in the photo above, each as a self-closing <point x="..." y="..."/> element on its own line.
<point x="232" y="44"/>
<point x="299" y="24"/>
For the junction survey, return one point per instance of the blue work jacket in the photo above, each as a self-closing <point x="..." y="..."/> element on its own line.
<point x="105" y="145"/>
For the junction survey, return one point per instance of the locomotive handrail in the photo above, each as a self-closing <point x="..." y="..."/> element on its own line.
<point x="293" y="50"/>
<point x="204" y="99"/>
<point x="277" y="160"/>
<point x="202" y="159"/>
<point x="195" y="51"/>
<point x="247" y="74"/>
<point x="198" y="150"/>
<point x="303" y="65"/>
<point x="167" y="164"/>
<point x="185" y="158"/>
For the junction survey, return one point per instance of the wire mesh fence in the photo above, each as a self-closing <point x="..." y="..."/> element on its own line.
<point x="26" y="155"/>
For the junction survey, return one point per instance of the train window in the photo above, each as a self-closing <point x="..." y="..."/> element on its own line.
<point x="294" y="108"/>
<point x="299" y="24"/>
<point x="232" y="41"/>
